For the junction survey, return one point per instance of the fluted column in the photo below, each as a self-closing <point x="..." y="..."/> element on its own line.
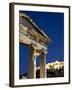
<point x="32" y="64"/>
<point x="43" y="65"/>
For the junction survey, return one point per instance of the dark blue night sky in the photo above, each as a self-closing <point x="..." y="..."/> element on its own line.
<point x="53" y="25"/>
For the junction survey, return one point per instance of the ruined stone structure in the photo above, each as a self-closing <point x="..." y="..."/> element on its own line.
<point x="32" y="36"/>
<point x="53" y="69"/>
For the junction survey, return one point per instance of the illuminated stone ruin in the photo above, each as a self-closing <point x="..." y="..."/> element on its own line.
<point x="37" y="41"/>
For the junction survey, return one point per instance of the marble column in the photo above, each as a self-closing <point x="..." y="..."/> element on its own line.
<point x="32" y="64"/>
<point x="43" y="65"/>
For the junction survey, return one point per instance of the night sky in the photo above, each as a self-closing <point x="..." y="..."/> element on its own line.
<point x="53" y="25"/>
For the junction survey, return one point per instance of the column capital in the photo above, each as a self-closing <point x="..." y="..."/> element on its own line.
<point x="44" y="51"/>
<point x="34" y="50"/>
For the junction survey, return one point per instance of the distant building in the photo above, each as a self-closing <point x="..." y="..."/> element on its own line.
<point x="53" y="69"/>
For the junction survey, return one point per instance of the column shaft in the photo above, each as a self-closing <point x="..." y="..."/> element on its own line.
<point x="32" y="64"/>
<point x="43" y="66"/>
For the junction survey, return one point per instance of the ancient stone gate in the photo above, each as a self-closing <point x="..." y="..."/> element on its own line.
<point x="32" y="36"/>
